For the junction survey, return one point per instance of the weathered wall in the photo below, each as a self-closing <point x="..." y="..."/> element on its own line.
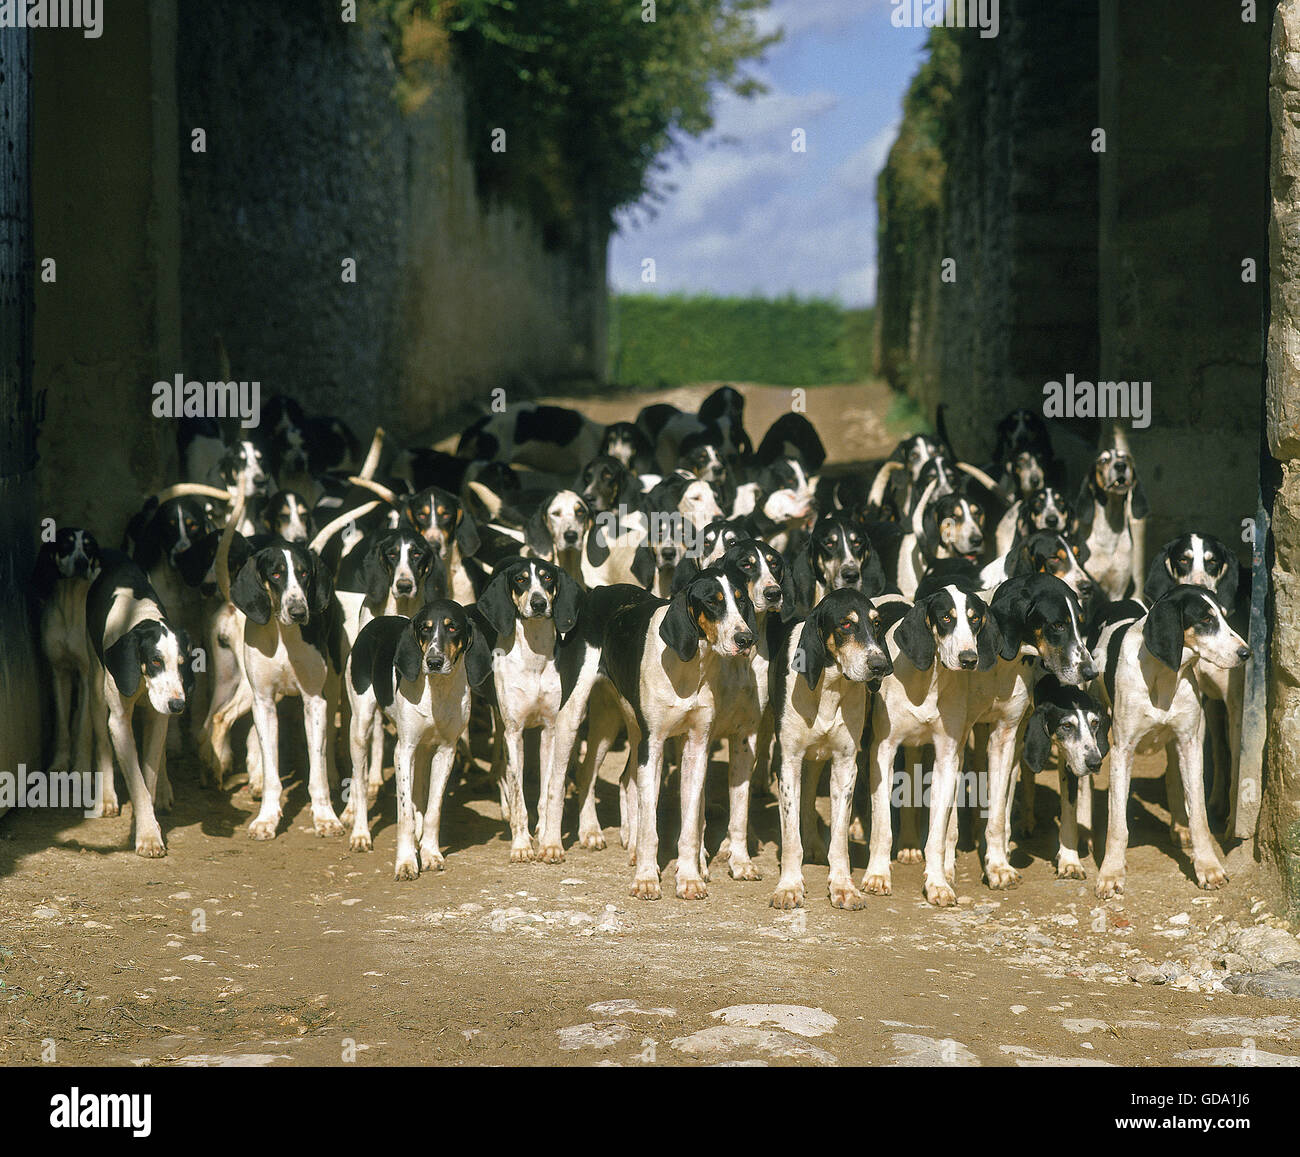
<point x="1119" y="265"/>
<point x="19" y="699"/>
<point x="310" y="160"/>
<point x="1280" y="816"/>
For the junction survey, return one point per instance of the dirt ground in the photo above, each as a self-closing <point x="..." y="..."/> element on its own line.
<point x="234" y="952"/>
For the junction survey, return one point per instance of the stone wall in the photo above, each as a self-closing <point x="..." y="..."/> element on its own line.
<point x="1280" y="817"/>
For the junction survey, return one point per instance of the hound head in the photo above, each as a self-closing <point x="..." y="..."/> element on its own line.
<point x="1045" y="509"/>
<point x="288" y="516"/>
<point x="440" y="635"/>
<point x="765" y="575"/>
<point x="530" y="588"/>
<point x="604" y="482"/>
<point x="285" y="581"/>
<point x="398" y="563"/>
<point x="1195" y="560"/>
<point x="74" y="554"/>
<point x="442" y="520"/>
<point x="1022" y="429"/>
<point x="1114" y="472"/>
<point x="716" y="539"/>
<point x="626" y="442"/>
<point x="1189" y="618"/>
<point x="953" y="623"/>
<point x="180" y="523"/>
<point x="160" y="656"/>
<point x="1047" y="552"/>
<point x="915" y="452"/>
<point x="1028" y="469"/>
<point x="844" y="631"/>
<point x="954" y="527"/>
<point x="1071" y="718"/>
<point x="1044" y="612"/>
<point x="715" y="610"/>
<point x="243" y="468"/>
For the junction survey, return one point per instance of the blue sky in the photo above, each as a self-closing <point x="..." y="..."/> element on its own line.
<point x="749" y="215"/>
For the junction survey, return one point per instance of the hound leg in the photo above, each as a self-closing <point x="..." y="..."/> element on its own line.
<point x="809" y="821"/>
<point x="82" y="737"/>
<point x="650" y="756"/>
<point x="877" y="878"/>
<point x="550" y="805"/>
<point x="1178" y="831"/>
<point x="1191" y="746"/>
<point x="406" y="867"/>
<point x="316" y="717"/>
<point x="1068" y="864"/>
<point x="603" y="719"/>
<point x="789" y="888"/>
<point x="1001" y="765"/>
<point x="1028" y="800"/>
<point x="62" y="758"/>
<point x="1216" y="727"/>
<point x="161" y="788"/>
<point x="627" y="803"/>
<point x="844" y="774"/>
<point x="105" y="792"/>
<point x="943" y="793"/>
<point x="690" y="866"/>
<point x="375" y="768"/>
<point x="363" y="718"/>
<point x="521" y="840"/>
<point x="1110" y="879"/>
<point x="267" y="725"/>
<point x="148" y="835"/>
<point x="740" y="768"/>
<point x="762" y="779"/>
<point x="916" y="762"/>
<point x="439" y="773"/>
<point x="1234" y="705"/>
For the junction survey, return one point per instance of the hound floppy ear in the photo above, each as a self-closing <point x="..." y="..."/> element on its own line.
<point x="122" y="661"/>
<point x="678" y="630"/>
<point x="568" y="601"/>
<point x="408" y="659"/>
<point x="873" y="574"/>
<point x="1227" y="591"/>
<point x="930" y="529"/>
<point x="989" y="641"/>
<point x="915" y="638"/>
<point x="375" y="574"/>
<point x="1038" y="743"/>
<point x="1009" y="631"/>
<point x="597" y="547"/>
<point x="810" y="654"/>
<point x="248" y="592"/>
<point x="1138" y="504"/>
<point x="788" y="596"/>
<point x="478" y="658"/>
<point x="467" y="535"/>
<point x="799" y="575"/>
<point x="1085" y="506"/>
<point x="643" y="566"/>
<point x="435" y="579"/>
<point x="186" y="664"/>
<point x="537" y="537"/>
<point x="688" y="570"/>
<point x="45" y="575"/>
<point x="1103" y="732"/>
<point x="322" y="584"/>
<point x="1163" y="632"/>
<point x="496" y="605"/>
<point x="1159" y="580"/>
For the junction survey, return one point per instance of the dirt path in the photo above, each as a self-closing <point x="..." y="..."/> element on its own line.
<point x="299" y="951"/>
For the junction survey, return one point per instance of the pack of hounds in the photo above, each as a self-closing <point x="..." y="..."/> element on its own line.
<point x="920" y="618"/>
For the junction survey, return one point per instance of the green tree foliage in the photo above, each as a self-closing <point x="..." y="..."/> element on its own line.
<point x="669" y="339"/>
<point x="590" y="93"/>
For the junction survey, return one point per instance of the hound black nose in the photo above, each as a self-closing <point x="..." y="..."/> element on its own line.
<point x="976" y="539"/>
<point x="880" y="666"/>
<point x="1243" y="653"/>
<point x="1051" y="521"/>
<point x="175" y="706"/>
<point x="850" y="574"/>
<point x="298" y="614"/>
<point x="404" y="586"/>
<point x="1092" y="763"/>
<point x="967" y="659"/>
<point x="570" y="537"/>
<point x="1088" y="671"/>
<point x="667" y="553"/>
<point x="538" y="603"/>
<point x="772" y="594"/>
<point x="744" y="640"/>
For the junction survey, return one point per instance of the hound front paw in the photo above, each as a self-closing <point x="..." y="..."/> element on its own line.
<point x="845" y="895"/>
<point x="743" y="870"/>
<point x="406" y="867"/>
<point x="877" y="883"/>
<point x="910" y="855"/>
<point x="150" y="845"/>
<point x="646" y="888"/>
<point x="1001" y="875"/>
<point x="940" y="893"/>
<point x="432" y="859"/>
<point x="1210" y="875"/>
<point x="788" y="896"/>
<point x="264" y="827"/>
<point x="1181" y="835"/>
<point x="692" y="889"/>
<point x="325" y="822"/>
<point x="361" y="842"/>
<point x="592" y="841"/>
<point x="522" y="854"/>
<point x="1109" y="884"/>
<point x="551" y="854"/>
<point x="1070" y="868"/>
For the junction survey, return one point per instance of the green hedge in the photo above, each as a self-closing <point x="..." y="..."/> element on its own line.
<point x="657" y="340"/>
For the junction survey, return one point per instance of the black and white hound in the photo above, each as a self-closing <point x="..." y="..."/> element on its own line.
<point x="65" y="570"/>
<point x="548" y="438"/>
<point x="444" y="523"/>
<point x="1071" y="720"/>
<point x="838" y="553"/>
<point x="557" y="531"/>
<point x="819" y="684"/>
<point x="417" y="672"/>
<point x="293" y="645"/>
<point x="286" y="515"/>
<point x="1150" y="686"/>
<point x="664" y="658"/>
<point x="524" y="611"/>
<point x="627" y="442"/>
<point x="140" y="660"/>
<point x="1111" y="502"/>
<point x="616" y="543"/>
<point x="1043" y="509"/>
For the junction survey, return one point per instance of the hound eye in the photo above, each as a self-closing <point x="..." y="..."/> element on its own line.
<point x="521" y="578"/>
<point x="1211" y="565"/>
<point x="1058" y="627"/>
<point x="155" y="664"/>
<point x="547" y="580"/>
<point x="1067" y="724"/>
